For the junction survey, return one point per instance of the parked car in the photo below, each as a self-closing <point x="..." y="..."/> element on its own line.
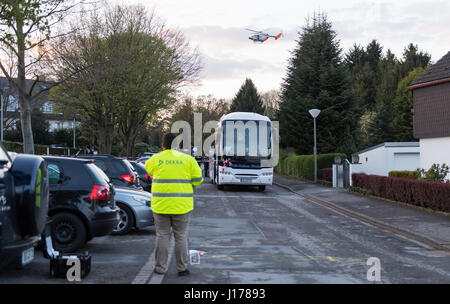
<point x="82" y="202"/>
<point x="145" y="178"/>
<point x="147" y="154"/>
<point x="135" y="209"/>
<point x="142" y="160"/>
<point x="119" y="170"/>
<point x="24" y="199"/>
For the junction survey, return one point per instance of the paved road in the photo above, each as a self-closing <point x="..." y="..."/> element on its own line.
<point x="115" y="259"/>
<point x="261" y="237"/>
<point x="279" y="237"/>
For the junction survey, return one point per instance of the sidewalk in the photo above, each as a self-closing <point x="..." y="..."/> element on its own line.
<point x="433" y="226"/>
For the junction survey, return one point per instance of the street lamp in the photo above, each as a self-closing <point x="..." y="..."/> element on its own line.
<point x="314" y="113"/>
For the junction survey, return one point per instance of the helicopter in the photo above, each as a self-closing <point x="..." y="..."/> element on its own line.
<point x="260" y="36"/>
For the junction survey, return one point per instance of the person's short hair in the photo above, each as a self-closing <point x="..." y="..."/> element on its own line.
<point x="167" y="140"/>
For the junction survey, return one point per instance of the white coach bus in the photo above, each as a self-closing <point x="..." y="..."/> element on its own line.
<point x="243" y="152"/>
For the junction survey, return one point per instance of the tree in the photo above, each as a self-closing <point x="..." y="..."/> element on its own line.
<point x="271" y="102"/>
<point x="211" y="108"/>
<point x="366" y="79"/>
<point x="317" y="78"/>
<point x="402" y="122"/>
<point x="380" y="118"/>
<point x="134" y="67"/>
<point x="25" y="27"/>
<point x="413" y="58"/>
<point x="247" y="99"/>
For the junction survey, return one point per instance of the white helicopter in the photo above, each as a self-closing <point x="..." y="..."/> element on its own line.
<point x="260" y="36"/>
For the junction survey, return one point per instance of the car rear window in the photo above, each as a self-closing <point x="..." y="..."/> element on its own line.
<point x="128" y="164"/>
<point x="139" y="168"/>
<point x="98" y="175"/>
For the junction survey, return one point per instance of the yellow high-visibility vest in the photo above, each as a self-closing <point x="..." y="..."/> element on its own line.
<point x="174" y="174"/>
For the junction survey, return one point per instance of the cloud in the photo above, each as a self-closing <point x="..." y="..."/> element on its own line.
<point x="221" y="68"/>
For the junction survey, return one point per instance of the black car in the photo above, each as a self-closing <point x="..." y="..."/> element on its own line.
<point x="145" y="178"/>
<point x="82" y="202"/>
<point x="24" y="200"/>
<point x="119" y="170"/>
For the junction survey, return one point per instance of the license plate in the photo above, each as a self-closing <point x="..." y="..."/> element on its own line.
<point x="247" y="180"/>
<point x="27" y="256"/>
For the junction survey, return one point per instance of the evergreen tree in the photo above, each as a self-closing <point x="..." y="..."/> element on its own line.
<point x="402" y="121"/>
<point x="317" y="78"/>
<point x="367" y="80"/>
<point x="354" y="59"/>
<point x="413" y="58"/>
<point x="247" y="99"/>
<point x="378" y="127"/>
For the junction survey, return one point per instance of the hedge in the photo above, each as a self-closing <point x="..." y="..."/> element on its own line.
<point x="405" y="174"/>
<point x="428" y="194"/>
<point x="38" y="149"/>
<point x="302" y="166"/>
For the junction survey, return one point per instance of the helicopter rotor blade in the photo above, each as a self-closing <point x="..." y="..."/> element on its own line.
<point x="253" y="30"/>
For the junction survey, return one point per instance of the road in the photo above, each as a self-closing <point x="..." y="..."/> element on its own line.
<point x="261" y="237"/>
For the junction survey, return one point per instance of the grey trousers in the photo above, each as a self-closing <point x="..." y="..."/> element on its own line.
<point x="179" y="224"/>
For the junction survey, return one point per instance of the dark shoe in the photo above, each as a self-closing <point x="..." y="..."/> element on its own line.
<point x="158" y="272"/>
<point x="183" y="273"/>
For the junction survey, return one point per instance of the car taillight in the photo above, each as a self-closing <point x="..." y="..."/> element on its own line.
<point x="143" y="162"/>
<point x="148" y="177"/>
<point x="128" y="178"/>
<point x="100" y="193"/>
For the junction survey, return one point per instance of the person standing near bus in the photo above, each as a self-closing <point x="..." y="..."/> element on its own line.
<point x="174" y="175"/>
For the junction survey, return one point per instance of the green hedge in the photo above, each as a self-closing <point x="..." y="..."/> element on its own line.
<point x="302" y="166"/>
<point x="405" y="174"/>
<point x="38" y="149"/>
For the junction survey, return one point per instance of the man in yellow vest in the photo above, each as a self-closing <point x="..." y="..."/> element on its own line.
<point x="174" y="175"/>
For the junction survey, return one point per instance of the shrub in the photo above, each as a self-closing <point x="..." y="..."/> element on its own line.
<point x="436" y="172"/>
<point x="405" y="174"/>
<point x="325" y="174"/>
<point x="429" y="194"/>
<point x="302" y="166"/>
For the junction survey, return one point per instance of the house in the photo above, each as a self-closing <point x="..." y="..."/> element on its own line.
<point x="11" y="111"/>
<point x="431" y="123"/>
<point x="386" y="157"/>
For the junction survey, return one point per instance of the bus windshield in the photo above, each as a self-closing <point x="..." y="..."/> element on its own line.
<point x="246" y="138"/>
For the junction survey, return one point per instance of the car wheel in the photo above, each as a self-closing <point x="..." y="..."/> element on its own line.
<point x="261" y="188"/>
<point x="68" y="232"/>
<point x="126" y="220"/>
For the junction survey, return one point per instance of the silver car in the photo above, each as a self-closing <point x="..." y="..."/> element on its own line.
<point x="135" y="209"/>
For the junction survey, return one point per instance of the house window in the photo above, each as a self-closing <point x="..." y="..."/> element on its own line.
<point x="13" y="105"/>
<point x="47" y="107"/>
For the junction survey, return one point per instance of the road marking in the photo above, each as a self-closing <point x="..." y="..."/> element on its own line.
<point x="289" y="256"/>
<point x="158" y="278"/>
<point x="147" y="275"/>
<point x="235" y="196"/>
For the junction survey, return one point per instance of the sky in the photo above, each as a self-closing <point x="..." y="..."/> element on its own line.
<point x="218" y="30"/>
